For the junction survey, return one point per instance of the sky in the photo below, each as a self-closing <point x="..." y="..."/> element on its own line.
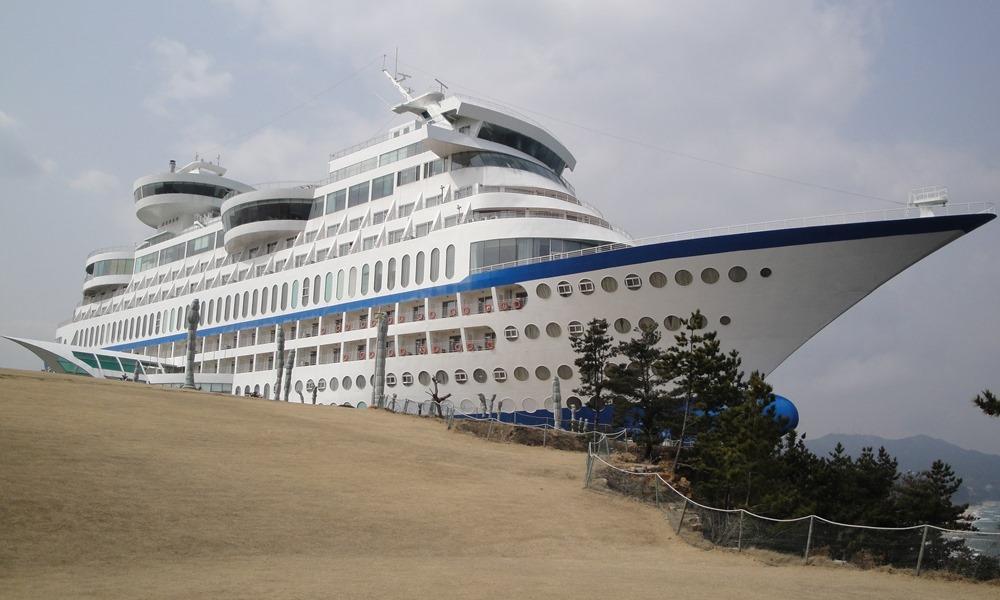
<point x="875" y="98"/>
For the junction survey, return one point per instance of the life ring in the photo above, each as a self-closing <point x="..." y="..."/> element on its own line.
<point x="456" y="347"/>
<point x="504" y="306"/>
<point x="465" y="310"/>
<point x="371" y="355"/>
<point x="489" y="308"/>
<point x="470" y="346"/>
<point x="423" y="350"/>
<point x="390" y="320"/>
<point x="437" y="349"/>
<point x="420" y="317"/>
<point x="391" y="353"/>
<point x="347" y="327"/>
<point x="452" y="312"/>
<point x="517" y="305"/>
<point x="434" y="315"/>
<point x="402" y="318"/>
<point x="489" y="345"/>
<point x="338" y="328"/>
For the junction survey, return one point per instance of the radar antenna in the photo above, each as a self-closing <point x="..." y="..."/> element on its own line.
<point x="398" y="78"/>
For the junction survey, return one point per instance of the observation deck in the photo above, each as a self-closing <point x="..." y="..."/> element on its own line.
<point x="194" y="189"/>
<point x="261" y="216"/>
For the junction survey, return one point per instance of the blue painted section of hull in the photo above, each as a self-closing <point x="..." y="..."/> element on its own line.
<point x="617" y="258"/>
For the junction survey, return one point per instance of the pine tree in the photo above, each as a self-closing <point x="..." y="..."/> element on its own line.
<point x="638" y="389"/>
<point x="988" y="403"/>
<point x="595" y="349"/>
<point x="705" y="380"/>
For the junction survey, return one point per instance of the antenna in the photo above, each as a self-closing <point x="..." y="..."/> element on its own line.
<point x="398" y="78"/>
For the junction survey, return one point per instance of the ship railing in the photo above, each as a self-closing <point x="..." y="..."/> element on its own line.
<point x="872" y="216"/>
<point x="120" y="248"/>
<point x="382" y="137"/>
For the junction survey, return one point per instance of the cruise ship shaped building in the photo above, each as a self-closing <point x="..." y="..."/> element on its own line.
<point x="462" y="227"/>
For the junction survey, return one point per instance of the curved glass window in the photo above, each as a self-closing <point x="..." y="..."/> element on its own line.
<point x="115" y="266"/>
<point x="305" y="292"/>
<point x="283" y="209"/>
<point x="493" y="252"/>
<point x="328" y="287"/>
<point x="518" y="141"/>
<point x="462" y="160"/>
<point x="390" y="274"/>
<point x="435" y="263"/>
<point x="284" y="296"/>
<point x="181" y="187"/>
<point x="418" y="276"/>
<point x="295" y="293"/>
<point x="352" y="282"/>
<point x="364" y="278"/>
<point x="449" y="262"/>
<point x="377" y="283"/>
<point x="253" y="305"/>
<point x="263" y="301"/>
<point x="274" y="298"/>
<point x="316" y="290"/>
<point x="211" y="309"/>
<point x="340" y="284"/>
<point x="404" y="271"/>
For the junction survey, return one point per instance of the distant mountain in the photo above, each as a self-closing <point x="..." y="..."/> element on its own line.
<point x="980" y="472"/>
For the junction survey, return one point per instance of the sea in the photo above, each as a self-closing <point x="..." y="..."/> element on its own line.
<point x="987" y="519"/>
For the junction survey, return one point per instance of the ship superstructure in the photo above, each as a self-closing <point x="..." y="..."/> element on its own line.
<point x="461" y="226"/>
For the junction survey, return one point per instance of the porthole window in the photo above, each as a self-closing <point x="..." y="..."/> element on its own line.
<point x="698" y="321"/>
<point x="520" y="374"/>
<point x="575" y="328"/>
<point x="529" y="405"/>
<point x="499" y="374"/>
<point x="586" y="287"/>
<point x="334" y="383"/>
<point x="646" y="324"/>
<point x="360" y="382"/>
<point x="765" y="272"/>
<point x="321" y="385"/>
<point x="725" y="320"/>
<point x="461" y="376"/>
<point x="609" y="284"/>
<point x="510" y="332"/>
<point x="709" y="275"/>
<point x="564" y="371"/>
<point x="424" y="378"/>
<point x="310" y="385"/>
<point x="298" y="387"/>
<point x="543" y="291"/>
<point x="531" y="331"/>
<point x="479" y="375"/>
<point x="672" y="323"/>
<point x="657" y="279"/>
<point x="441" y="377"/>
<point x="564" y="289"/>
<point x="683" y="277"/>
<point x="407" y="379"/>
<point x="238" y="389"/>
<point x="633" y="281"/>
<point x="737" y="274"/>
<point x="467" y="406"/>
<point x="622" y="325"/>
<point x="553" y="329"/>
<point x="390" y="379"/>
<point x="345" y="382"/>
<point x="543" y="373"/>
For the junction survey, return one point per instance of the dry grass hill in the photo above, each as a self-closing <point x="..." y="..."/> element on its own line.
<point x="114" y="490"/>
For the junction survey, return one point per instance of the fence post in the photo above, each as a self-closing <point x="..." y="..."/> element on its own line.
<point x="680" y="521"/>
<point x="544" y="431"/>
<point x="920" y="556"/>
<point x="739" y="539"/>
<point x="656" y="487"/>
<point x="590" y="468"/>
<point x="489" y="432"/>
<point x="809" y="539"/>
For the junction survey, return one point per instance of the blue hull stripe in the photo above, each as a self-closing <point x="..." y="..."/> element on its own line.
<point x="617" y="258"/>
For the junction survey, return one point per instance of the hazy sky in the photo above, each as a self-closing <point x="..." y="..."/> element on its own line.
<point x="873" y="97"/>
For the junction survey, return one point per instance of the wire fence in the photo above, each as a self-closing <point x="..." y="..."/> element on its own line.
<point x="971" y="554"/>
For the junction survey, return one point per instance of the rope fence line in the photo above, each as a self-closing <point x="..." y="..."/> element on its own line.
<point x="973" y="554"/>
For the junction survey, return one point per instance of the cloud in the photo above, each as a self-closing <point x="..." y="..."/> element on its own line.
<point x="17" y="161"/>
<point x="94" y="181"/>
<point x="185" y="75"/>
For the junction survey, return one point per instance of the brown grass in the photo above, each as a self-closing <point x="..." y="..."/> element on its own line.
<point x="112" y="490"/>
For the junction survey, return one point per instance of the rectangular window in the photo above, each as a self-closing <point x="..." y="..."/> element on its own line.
<point x="272" y="247"/>
<point x="408" y="175"/>
<point x="396" y="236"/>
<point x="405" y="210"/>
<point x="368" y="243"/>
<point x="219" y="238"/>
<point x="169" y="255"/>
<point x="336" y="201"/>
<point x="401" y="153"/>
<point x="432" y="201"/>
<point x="355" y="169"/>
<point x="332" y="230"/>
<point x="382" y="186"/>
<point x="344" y="249"/>
<point x="201" y="244"/>
<point x="357" y="194"/>
<point x="355" y="224"/>
<point x="451" y="221"/>
<point x="435" y="167"/>
<point x="423" y="229"/>
<point x="379" y="217"/>
<point x="317" y="208"/>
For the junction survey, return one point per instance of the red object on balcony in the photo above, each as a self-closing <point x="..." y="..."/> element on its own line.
<point x="489" y="344"/>
<point x="465" y="310"/>
<point x="517" y="305"/>
<point x="452" y="313"/>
